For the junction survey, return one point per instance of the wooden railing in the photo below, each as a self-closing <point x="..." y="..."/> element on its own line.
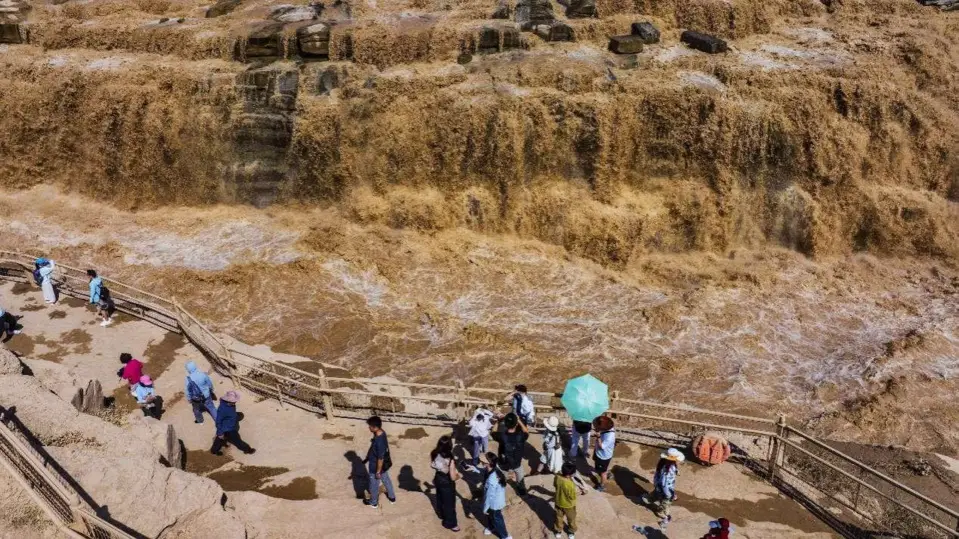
<point x="801" y="465"/>
<point x="48" y="485"/>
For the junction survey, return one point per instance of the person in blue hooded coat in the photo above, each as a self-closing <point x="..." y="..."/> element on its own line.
<point x="199" y="390"/>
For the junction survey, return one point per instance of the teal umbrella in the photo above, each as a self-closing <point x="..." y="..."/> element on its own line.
<point x="585" y="398"/>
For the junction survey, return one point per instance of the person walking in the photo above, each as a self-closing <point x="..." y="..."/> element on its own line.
<point x="664" y="485"/>
<point x="199" y="390"/>
<point x="565" y="501"/>
<point x="228" y="426"/>
<point x="46" y="282"/>
<point x="480" y="426"/>
<point x="8" y="324"/>
<point x="379" y="463"/>
<point x="523" y="405"/>
<point x="132" y="369"/>
<point x="511" y="450"/>
<point x="100" y="298"/>
<point x="581" y="430"/>
<point x="603" y="451"/>
<point x="494" y="499"/>
<point x="146" y="397"/>
<point x="445" y="481"/>
<point x="552" y="457"/>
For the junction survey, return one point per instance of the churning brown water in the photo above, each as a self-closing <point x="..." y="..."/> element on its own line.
<point x="775" y="229"/>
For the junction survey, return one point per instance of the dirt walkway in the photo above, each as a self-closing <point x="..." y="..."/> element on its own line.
<point x="303" y="462"/>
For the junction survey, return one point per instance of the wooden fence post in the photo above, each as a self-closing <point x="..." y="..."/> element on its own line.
<point x="777" y="446"/>
<point x="612" y="403"/>
<point x="327" y="399"/>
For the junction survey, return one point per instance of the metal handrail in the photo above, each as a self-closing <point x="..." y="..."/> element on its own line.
<point x="882" y="494"/>
<point x="225" y="361"/>
<point x="871" y="470"/>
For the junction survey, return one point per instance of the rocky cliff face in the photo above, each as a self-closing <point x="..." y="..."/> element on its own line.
<point x="798" y="137"/>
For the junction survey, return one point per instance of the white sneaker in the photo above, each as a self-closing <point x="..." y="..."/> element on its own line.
<point x="17" y="331"/>
<point x="105" y="323"/>
<point x="571" y="536"/>
<point x="558" y="535"/>
<point x="487" y="532"/>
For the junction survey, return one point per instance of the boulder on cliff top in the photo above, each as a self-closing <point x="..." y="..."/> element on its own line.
<point x="530" y="13"/>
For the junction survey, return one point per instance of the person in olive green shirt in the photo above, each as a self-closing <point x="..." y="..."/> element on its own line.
<point x="565" y="500"/>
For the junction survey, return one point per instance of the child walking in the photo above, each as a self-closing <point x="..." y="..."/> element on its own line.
<point x="565" y="501"/>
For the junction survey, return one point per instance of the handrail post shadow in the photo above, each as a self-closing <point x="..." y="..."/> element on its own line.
<point x="327" y="399"/>
<point x="777" y="447"/>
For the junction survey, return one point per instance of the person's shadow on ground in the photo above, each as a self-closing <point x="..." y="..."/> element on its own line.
<point x="626" y="480"/>
<point x="651" y="532"/>
<point x="584" y="469"/>
<point x="407" y="481"/>
<point x="532" y="455"/>
<point x="358" y="474"/>
<point x="542" y="508"/>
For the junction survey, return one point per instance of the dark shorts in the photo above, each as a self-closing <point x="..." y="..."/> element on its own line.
<point x="601" y="465"/>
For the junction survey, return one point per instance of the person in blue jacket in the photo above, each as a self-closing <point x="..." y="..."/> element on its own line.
<point x="228" y="426"/>
<point x="199" y="390"/>
<point x="100" y="298"/>
<point x="664" y="485"/>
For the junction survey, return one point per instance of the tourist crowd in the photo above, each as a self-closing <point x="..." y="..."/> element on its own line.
<point x="492" y="470"/>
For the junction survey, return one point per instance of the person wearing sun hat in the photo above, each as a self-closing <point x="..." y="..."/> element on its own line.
<point x="146" y="397"/>
<point x="228" y="426"/>
<point x="664" y="484"/>
<point x="552" y="458"/>
<point x="719" y="528"/>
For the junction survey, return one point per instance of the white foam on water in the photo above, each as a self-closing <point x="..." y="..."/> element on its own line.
<point x="365" y="284"/>
<point x="213" y="247"/>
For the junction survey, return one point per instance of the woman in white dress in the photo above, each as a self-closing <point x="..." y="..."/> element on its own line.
<point x="552" y="458"/>
<point x="46" y="283"/>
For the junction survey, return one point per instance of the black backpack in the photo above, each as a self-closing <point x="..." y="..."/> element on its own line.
<point x="514" y="445"/>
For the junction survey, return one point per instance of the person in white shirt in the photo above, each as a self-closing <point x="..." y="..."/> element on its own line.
<point x="46" y="282"/>
<point x="603" y="451"/>
<point x="480" y="426"/>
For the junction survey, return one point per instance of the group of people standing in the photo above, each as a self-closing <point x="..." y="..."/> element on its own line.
<point x="198" y="386"/>
<point x="494" y="469"/>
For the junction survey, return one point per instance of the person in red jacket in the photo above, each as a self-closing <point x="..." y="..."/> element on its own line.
<point x="132" y="369"/>
<point x="719" y="528"/>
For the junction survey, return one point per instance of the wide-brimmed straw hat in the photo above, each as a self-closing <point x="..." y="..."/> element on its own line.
<point x="231" y="396"/>
<point x="551" y="423"/>
<point x="145" y="380"/>
<point x="673" y="454"/>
